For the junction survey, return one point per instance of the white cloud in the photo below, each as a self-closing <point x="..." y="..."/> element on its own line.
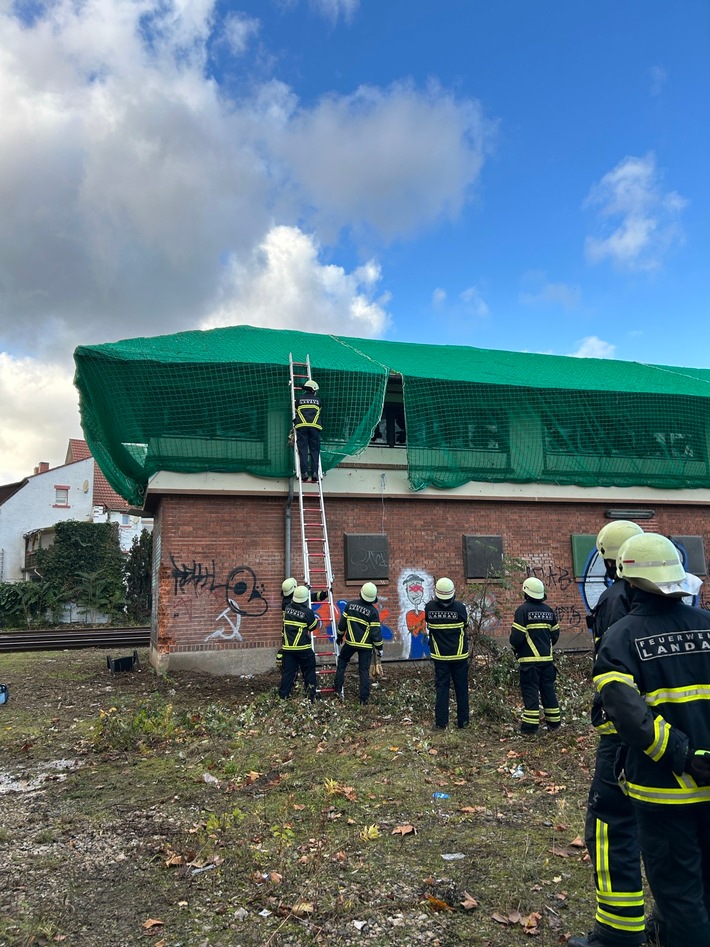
<point x="639" y="221"/>
<point x="553" y="294"/>
<point x="474" y="301"/>
<point x="394" y="160"/>
<point x="593" y="347"/>
<point x="40" y="414"/>
<point x="333" y="9"/>
<point x="283" y="285"/>
<point x="438" y="297"/>
<point x="238" y="31"/>
<point x="658" y="76"/>
<point x="138" y="199"/>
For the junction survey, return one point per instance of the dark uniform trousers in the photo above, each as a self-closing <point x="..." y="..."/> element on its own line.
<point x="675" y="841"/>
<point x="537" y="680"/>
<point x="292" y="661"/>
<point x="611" y="837"/>
<point x="447" y="673"/>
<point x="364" y="660"/>
<point x="308" y="443"/>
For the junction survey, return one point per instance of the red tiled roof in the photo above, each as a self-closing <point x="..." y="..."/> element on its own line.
<point x="78" y="449"/>
<point x="104" y="494"/>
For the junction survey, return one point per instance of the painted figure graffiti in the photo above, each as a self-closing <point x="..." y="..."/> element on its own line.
<point x="415" y="588"/>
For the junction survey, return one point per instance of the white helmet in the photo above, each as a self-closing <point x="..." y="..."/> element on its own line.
<point x="444" y="589"/>
<point x="288" y="587"/>
<point x="369" y="592"/>
<point x="612" y="536"/>
<point x="301" y="594"/>
<point x="651" y="562"/>
<point x="534" y="588"/>
<point x="310" y="384"/>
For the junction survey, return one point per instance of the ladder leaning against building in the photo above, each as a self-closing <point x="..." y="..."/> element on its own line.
<point x="317" y="570"/>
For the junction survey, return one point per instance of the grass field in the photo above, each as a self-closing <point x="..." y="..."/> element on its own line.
<point x="188" y="811"/>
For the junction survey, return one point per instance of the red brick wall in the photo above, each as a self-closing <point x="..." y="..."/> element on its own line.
<point x="225" y="555"/>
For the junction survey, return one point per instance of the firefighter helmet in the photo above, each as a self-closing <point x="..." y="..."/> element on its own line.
<point x="612" y="536"/>
<point x="534" y="588"/>
<point x="311" y="384"/>
<point x="368" y="592"/>
<point x="652" y="563"/>
<point x="301" y="594"/>
<point x="289" y="586"/>
<point x="445" y="589"/>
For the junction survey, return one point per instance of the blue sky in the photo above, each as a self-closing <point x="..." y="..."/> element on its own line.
<point x="512" y="175"/>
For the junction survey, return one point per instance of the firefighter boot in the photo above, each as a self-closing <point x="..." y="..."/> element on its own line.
<point x="596" y="938"/>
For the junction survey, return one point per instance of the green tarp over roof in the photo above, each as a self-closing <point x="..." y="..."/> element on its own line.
<point x="219" y="400"/>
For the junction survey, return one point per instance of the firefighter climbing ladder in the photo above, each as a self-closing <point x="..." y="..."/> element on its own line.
<point x="317" y="571"/>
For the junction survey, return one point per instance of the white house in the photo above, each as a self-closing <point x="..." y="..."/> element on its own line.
<point x="76" y="490"/>
<point x="49" y="496"/>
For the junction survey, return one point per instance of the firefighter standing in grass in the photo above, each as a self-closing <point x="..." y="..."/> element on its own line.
<point x="288" y="587"/>
<point x="535" y="631"/>
<point x="653" y="674"/>
<point x="308" y="429"/>
<point x="446" y="620"/>
<point x="610" y="831"/>
<point x="299" y="621"/>
<point x="359" y="633"/>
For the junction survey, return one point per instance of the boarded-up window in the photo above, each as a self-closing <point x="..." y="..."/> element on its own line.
<point x="366" y="556"/>
<point x="583" y="544"/>
<point x="693" y="552"/>
<point x="482" y="556"/>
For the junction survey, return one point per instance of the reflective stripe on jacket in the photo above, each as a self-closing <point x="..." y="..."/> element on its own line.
<point x="614" y="603"/>
<point x="446" y="624"/>
<point x="308" y="411"/>
<point x="298" y="623"/>
<point x="360" y="623"/>
<point x="653" y="674"/>
<point x="535" y="630"/>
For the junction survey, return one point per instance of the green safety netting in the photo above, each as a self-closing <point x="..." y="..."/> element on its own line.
<point x="219" y="400"/>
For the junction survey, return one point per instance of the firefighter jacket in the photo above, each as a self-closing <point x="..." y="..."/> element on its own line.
<point x="614" y="603"/>
<point x="298" y="623"/>
<point x="653" y="673"/>
<point x="308" y="409"/>
<point x="320" y="596"/>
<point x="446" y="624"/>
<point x="535" y="630"/>
<point x="359" y="625"/>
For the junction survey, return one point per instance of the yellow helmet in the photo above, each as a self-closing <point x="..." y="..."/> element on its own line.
<point x="612" y="536"/>
<point x="301" y="594"/>
<point x="288" y="587"/>
<point x="369" y="592"/>
<point x="534" y="588"/>
<point x="445" y="589"/>
<point x="651" y="562"/>
<point x="311" y="384"/>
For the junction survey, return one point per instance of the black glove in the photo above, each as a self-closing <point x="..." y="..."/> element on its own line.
<point x="379" y="651"/>
<point x="339" y="639"/>
<point x="697" y="763"/>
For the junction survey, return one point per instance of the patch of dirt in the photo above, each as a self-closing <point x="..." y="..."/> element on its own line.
<point x="191" y="811"/>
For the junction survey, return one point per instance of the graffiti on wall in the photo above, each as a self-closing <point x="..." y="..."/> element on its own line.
<point x="484" y="613"/>
<point x="244" y="596"/>
<point x="415" y="589"/>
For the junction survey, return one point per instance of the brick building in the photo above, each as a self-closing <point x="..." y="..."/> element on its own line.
<point x="439" y="461"/>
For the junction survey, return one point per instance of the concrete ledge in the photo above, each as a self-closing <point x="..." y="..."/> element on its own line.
<point x="219" y="663"/>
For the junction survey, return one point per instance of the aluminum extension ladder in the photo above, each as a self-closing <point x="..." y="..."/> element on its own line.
<point x="317" y="570"/>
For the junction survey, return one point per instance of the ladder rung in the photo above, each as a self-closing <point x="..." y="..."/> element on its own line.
<point x="326" y="670"/>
